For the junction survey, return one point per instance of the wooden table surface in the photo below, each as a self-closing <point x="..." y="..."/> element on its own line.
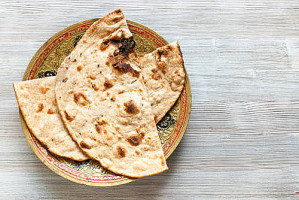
<point x="243" y="62"/>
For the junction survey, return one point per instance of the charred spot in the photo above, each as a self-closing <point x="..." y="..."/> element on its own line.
<point x="84" y="145"/>
<point x="135" y="140"/>
<point x="130" y="107"/>
<point x="127" y="44"/>
<point x="40" y="107"/>
<point x="104" y="44"/>
<point x="116" y="52"/>
<point x="68" y="117"/>
<point x="108" y="84"/>
<point x="50" y="111"/>
<point x="118" y="11"/>
<point x="65" y="79"/>
<point x="121" y="151"/>
<point x="112" y="98"/>
<point x="79" y="68"/>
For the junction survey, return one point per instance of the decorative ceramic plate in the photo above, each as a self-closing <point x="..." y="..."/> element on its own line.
<point x="46" y="62"/>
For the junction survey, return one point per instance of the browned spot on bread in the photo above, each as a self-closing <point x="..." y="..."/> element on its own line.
<point x="68" y="117"/>
<point x="121" y="151"/>
<point x="162" y="160"/>
<point x="156" y="119"/>
<point x="125" y="68"/>
<point x="156" y="76"/>
<point x="81" y="99"/>
<point x="65" y="79"/>
<point x="118" y="11"/>
<point x="108" y="84"/>
<point x="130" y="107"/>
<point x="84" y="41"/>
<point x="102" y="122"/>
<point x="95" y="86"/>
<point x="79" y="68"/>
<point x="109" y="137"/>
<point x="121" y="91"/>
<point x="117" y="105"/>
<point x="135" y="140"/>
<point x="98" y="128"/>
<point x="40" y="107"/>
<point x="50" y="111"/>
<point x="84" y="145"/>
<point x="118" y="137"/>
<point x="92" y="76"/>
<point x="161" y="64"/>
<point x="112" y="98"/>
<point x="42" y="89"/>
<point x="164" y="71"/>
<point x="140" y="90"/>
<point x="155" y="70"/>
<point x="117" y="19"/>
<point x="137" y="152"/>
<point x="117" y="128"/>
<point x="104" y="44"/>
<point x="170" y="48"/>
<point x="162" y="52"/>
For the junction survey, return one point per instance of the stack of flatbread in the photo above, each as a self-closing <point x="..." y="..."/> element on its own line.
<point x="105" y="101"/>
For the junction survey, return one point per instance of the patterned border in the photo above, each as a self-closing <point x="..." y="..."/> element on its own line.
<point x="70" y="173"/>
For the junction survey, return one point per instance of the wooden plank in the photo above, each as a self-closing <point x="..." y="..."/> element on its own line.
<point x="243" y="62"/>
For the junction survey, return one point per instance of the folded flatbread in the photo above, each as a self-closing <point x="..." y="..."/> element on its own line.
<point x="164" y="77"/>
<point x="104" y="104"/>
<point x="36" y="100"/>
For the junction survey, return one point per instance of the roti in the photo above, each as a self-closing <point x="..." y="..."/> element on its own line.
<point x="36" y="100"/>
<point x="104" y="104"/>
<point x="164" y="77"/>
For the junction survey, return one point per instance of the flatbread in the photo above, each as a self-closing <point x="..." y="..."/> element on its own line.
<point x="104" y="104"/>
<point x="164" y="77"/>
<point x="36" y="100"/>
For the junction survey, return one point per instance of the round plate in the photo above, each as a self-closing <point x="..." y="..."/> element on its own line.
<point x="46" y="62"/>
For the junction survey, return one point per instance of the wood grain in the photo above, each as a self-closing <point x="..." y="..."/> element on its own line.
<point x="243" y="61"/>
